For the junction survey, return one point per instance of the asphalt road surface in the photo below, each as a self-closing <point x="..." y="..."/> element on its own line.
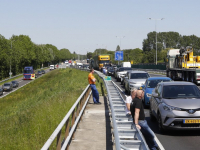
<point x="172" y="140"/>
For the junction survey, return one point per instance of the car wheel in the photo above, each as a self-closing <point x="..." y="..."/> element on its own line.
<point x="160" y="125"/>
<point x="152" y="118"/>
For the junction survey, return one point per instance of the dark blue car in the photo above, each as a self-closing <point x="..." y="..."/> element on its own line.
<point x="149" y="85"/>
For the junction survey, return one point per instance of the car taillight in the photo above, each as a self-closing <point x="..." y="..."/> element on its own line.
<point x="198" y="77"/>
<point x="32" y="75"/>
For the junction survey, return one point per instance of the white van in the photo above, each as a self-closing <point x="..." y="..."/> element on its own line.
<point x="52" y="67"/>
<point x="126" y="64"/>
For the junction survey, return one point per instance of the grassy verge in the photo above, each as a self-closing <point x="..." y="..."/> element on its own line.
<point x="30" y="115"/>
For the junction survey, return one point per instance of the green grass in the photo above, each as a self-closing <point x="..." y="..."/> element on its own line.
<point x="29" y="115"/>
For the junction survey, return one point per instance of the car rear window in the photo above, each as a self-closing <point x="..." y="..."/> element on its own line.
<point x="6" y="84"/>
<point x="139" y="75"/>
<point x="153" y="83"/>
<point x="181" y="91"/>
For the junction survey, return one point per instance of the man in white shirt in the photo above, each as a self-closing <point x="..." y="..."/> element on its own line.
<point x="129" y="100"/>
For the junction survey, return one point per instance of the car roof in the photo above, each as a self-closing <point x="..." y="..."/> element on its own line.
<point x="125" y="67"/>
<point x="8" y="83"/>
<point x="156" y="78"/>
<point x="177" y="83"/>
<point x="137" y="71"/>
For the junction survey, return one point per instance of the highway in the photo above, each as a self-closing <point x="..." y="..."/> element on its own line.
<point x="172" y="140"/>
<point x="21" y="84"/>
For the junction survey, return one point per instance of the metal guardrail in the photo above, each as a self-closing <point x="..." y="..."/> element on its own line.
<point x="126" y="135"/>
<point x="11" y="78"/>
<point x="75" y="114"/>
<point x="156" y="71"/>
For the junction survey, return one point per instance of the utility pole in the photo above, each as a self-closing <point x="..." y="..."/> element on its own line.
<point x="156" y="33"/>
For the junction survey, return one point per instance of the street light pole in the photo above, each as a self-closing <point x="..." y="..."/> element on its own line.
<point x="120" y="39"/>
<point x="10" y="73"/>
<point x="156" y="33"/>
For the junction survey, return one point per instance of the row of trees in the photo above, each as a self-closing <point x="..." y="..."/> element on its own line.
<point x="165" y="41"/>
<point x="19" y="51"/>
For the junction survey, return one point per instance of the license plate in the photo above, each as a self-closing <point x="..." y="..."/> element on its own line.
<point x="198" y="81"/>
<point x="5" y="89"/>
<point x="191" y="121"/>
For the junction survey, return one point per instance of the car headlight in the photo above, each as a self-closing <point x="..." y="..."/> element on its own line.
<point x="148" y="94"/>
<point x="169" y="108"/>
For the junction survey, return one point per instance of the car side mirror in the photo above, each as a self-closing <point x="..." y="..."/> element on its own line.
<point x="155" y="95"/>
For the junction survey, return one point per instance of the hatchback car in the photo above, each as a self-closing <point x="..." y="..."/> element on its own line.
<point x="15" y="84"/>
<point x="1" y="91"/>
<point x="135" y="79"/>
<point x="110" y="71"/>
<point x="7" y="86"/>
<point x="176" y="105"/>
<point x="149" y="85"/>
<point x="43" y="71"/>
<point x="39" y="72"/>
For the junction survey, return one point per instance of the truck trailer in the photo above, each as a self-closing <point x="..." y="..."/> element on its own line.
<point x="182" y="65"/>
<point x="100" y="61"/>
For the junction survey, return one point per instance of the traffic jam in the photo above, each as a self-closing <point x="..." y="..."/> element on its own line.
<point x="171" y="101"/>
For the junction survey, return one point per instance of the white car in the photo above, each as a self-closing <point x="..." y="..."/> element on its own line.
<point x="121" y="72"/>
<point x="52" y="67"/>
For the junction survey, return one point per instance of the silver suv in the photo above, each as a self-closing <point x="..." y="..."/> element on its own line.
<point x="176" y="105"/>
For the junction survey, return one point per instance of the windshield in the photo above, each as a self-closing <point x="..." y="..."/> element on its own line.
<point x="181" y="91"/>
<point x="153" y="83"/>
<point x="28" y="71"/>
<point x="139" y="75"/>
<point x="104" y="61"/>
<point x="6" y="84"/>
<point x="110" y="68"/>
<point x="124" y="69"/>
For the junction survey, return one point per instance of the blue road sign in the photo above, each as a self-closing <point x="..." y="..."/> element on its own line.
<point x="119" y="55"/>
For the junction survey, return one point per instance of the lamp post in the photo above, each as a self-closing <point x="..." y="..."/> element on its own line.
<point x="156" y="33"/>
<point x="120" y="39"/>
<point x="10" y="73"/>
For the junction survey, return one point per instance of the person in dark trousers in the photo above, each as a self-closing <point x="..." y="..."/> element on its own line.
<point x="140" y="122"/>
<point x="92" y="81"/>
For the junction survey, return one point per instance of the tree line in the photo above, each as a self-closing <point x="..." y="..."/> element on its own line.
<point x="165" y="41"/>
<point x="19" y="51"/>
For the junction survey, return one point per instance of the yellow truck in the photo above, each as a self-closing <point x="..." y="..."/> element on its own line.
<point x="183" y="65"/>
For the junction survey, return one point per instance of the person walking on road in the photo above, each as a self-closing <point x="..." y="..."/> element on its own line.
<point x="92" y="81"/>
<point x="140" y="122"/>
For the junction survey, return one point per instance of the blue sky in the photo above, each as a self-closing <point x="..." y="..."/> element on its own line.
<point x="84" y="25"/>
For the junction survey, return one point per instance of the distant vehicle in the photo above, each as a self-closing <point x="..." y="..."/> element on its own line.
<point x="135" y="79"/>
<point x="175" y="105"/>
<point x="99" y="61"/>
<point x="126" y="64"/>
<point x="52" y="67"/>
<point x="15" y="84"/>
<point x="39" y="72"/>
<point x="120" y="72"/>
<point x="149" y="85"/>
<point x="29" y="73"/>
<point x="110" y="71"/>
<point x="43" y="71"/>
<point x="7" y="86"/>
<point x="1" y="91"/>
<point x="66" y="62"/>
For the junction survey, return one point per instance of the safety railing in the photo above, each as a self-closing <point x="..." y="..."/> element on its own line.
<point x="11" y="78"/>
<point x="125" y="135"/>
<point x="68" y="124"/>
